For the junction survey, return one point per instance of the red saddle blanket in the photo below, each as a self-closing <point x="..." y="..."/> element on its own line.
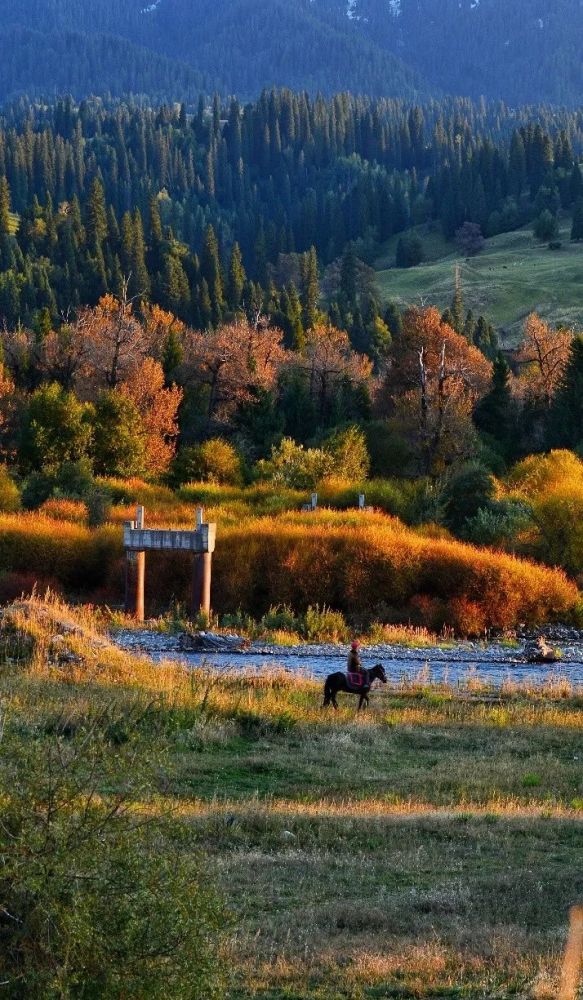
<point x="356" y="682"/>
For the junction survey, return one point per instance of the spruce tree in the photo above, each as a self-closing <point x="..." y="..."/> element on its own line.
<point x="577" y="227"/>
<point x="96" y="215"/>
<point x="236" y="280"/>
<point x="292" y="310"/>
<point x="485" y="338"/>
<point x="4" y="207"/>
<point x="310" y="296"/>
<point x="566" y="414"/>
<point x="211" y="272"/>
<point x="494" y="413"/>
<point x="140" y="280"/>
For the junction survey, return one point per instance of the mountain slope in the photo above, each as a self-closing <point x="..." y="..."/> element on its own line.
<point x="236" y="46"/>
<point x="524" y="51"/>
<point x="521" y="52"/>
<point x="71" y="62"/>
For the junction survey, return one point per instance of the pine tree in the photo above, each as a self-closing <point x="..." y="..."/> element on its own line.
<point x="485" y="338"/>
<point x="577" y="227"/>
<point x="494" y="414"/>
<point x="310" y="295"/>
<point x="140" y="279"/>
<point x="210" y="267"/>
<point x="236" y="280"/>
<point x="576" y="183"/>
<point x="470" y="327"/>
<point x="172" y="354"/>
<point x="4" y="207"/>
<point x="295" y="329"/>
<point x="156" y="252"/>
<point x="96" y="215"/>
<point x="566" y="414"/>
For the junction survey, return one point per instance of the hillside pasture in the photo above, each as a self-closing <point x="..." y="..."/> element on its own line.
<point x="512" y="277"/>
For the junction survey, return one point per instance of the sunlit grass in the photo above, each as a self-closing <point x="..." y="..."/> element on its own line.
<point x="428" y="847"/>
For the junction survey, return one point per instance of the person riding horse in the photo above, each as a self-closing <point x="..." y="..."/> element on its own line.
<point x="354" y="665"/>
<point x="356" y="680"/>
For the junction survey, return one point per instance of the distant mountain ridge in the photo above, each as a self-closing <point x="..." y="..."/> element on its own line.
<point x="527" y="51"/>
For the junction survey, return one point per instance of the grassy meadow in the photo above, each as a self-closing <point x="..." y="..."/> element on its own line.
<point x="427" y="848"/>
<point x="512" y="277"/>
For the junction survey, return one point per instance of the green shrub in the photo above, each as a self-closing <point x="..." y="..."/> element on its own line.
<point x="38" y="487"/>
<point x="295" y="466"/>
<point x="213" y="461"/>
<point x="499" y="524"/>
<point x="96" y="902"/>
<point x="9" y="493"/>
<point x="55" y="429"/>
<point x="74" y="479"/>
<point x="325" y="625"/>
<point x="410" y="251"/>
<point x="468" y="490"/>
<point x="280" y="618"/>
<point x="349" y="452"/>
<point x="98" y="503"/>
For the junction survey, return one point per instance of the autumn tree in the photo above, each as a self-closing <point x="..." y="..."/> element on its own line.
<point x="432" y="386"/>
<point x="62" y="355"/>
<point x="542" y="358"/>
<point x="157" y="408"/>
<point x="233" y="363"/>
<point x="116" y="343"/>
<point x="330" y="363"/>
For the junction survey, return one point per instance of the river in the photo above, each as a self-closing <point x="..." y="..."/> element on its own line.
<point x="493" y="663"/>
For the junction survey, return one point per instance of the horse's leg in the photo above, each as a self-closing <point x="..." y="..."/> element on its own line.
<point x="360" y="702"/>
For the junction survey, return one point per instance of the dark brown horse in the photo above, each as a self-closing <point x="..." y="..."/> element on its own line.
<point x="339" y="682"/>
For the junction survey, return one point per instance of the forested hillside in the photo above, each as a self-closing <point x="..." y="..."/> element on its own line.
<point x="238" y="46"/>
<point x="230" y="251"/>
<point x="102" y="192"/>
<point x="526" y="51"/>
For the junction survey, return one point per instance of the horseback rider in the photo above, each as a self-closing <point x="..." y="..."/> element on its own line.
<point x="354" y="661"/>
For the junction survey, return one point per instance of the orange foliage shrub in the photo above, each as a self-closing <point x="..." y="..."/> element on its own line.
<point x="379" y="564"/>
<point x="74" y="556"/>
<point x="367" y="566"/>
<point x="73" y="511"/>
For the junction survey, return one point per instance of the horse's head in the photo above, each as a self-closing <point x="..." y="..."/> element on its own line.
<point x="379" y="672"/>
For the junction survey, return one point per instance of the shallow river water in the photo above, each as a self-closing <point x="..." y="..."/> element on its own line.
<point x="492" y="663"/>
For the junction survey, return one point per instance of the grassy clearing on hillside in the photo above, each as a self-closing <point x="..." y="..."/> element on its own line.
<point x="430" y="847"/>
<point x="512" y="277"/>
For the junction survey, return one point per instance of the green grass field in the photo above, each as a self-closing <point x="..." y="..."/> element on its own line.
<point x="428" y="848"/>
<point x="512" y="277"/>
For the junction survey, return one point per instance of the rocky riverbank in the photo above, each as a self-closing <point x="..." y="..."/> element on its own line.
<point x="498" y="656"/>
